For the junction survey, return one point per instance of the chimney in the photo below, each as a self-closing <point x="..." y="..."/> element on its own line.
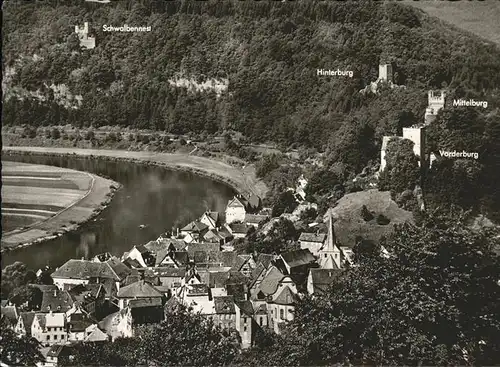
<point x="55" y="292"/>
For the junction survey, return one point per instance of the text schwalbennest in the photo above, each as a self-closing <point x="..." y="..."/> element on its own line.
<point x="455" y="154"/>
<point x="125" y="28"/>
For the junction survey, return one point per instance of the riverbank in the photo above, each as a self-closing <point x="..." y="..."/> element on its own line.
<point x="52" y="200"/>
<point x="242" y="180"/>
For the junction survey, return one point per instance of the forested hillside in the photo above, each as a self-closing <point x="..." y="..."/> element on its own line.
<point x="259" y="63"/>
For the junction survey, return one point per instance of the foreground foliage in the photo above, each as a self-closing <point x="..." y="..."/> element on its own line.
<point x="435" y="301"/>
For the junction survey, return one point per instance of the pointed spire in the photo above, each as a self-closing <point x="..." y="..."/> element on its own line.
<point x="330" y="241"/>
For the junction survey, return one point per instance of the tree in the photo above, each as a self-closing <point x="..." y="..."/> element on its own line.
<point x="435" y="297"/>
<point x="27" y="298"/>
<point x="285" y="203"/>
<point x="322" y="182"/>
<point x="402" y="171"/>
<point x="267" y="164"/>
<point x="16" y="350"/>
<point x="15" y="276"/>
<point x="55" y="133"/>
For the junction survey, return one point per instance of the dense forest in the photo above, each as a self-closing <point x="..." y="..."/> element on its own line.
<point x="263" y="56"/>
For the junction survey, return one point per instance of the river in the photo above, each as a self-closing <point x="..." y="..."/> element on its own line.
<point x="152" y="196"/>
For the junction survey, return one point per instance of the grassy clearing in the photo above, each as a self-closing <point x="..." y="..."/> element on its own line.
<point x="9" y="223"/>
<point x="351" y="223"/>
<point x="40" y="195"/>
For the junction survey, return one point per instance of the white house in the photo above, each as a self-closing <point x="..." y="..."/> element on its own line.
<point x="235" y="211"/>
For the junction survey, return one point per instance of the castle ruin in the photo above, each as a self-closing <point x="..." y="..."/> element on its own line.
<point x="83" y="35"/>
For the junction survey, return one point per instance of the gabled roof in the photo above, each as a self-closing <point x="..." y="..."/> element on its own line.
<point x="227" y="258"/>
<point x="255" y="218"/>
<point x="142" y="249"/>
<point x="206" y="246"/>
<point x="56" y="300"/>
<point x="285" y="297"/>
<point x="120" y="269"/>
<point x="198" y="290"/>
<point x="240" y="261"/>
<point x="246" y="307"/>
<point x="214" y="215"/>
<point x="212" y="236"/>
<point x="132" y="263"/>
<point x="140" y="289"/>
<point x="97" y="335"/>
<point x="55" y="350"/>
<point x="80" y="322"/>
<point x="169" y="272"/>
<point x="265" y="259"/>
<point x="10" y="313"/>
<point x="298" y="258"/>
<point x="224" y="305"/>
<point x="27" y="318"/>
<point x="111" y="321"/>
<point x="195" y="226"/>
<point x="271" y="280"/>
<point x="55" y="319"/>
<point x="236" y="290"/>
<point x="239" y="228"/>
<point x="182" y="257"/>
<point x="145" y="302"/>
<point x="312" y="237"/>
<point x="155" y="246"/>
<point x="323" y="278"/>
<point x="86" y="293"/>
<point x="259" y="269"/>
<point x="40" y="317"/>
<point x="85" y="269"/>
<point x="236" y="203"/>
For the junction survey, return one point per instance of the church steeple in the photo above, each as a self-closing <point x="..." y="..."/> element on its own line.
<point x="330" y="255"/>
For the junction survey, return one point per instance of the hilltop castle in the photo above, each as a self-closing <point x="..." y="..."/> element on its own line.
<point x="385" y="75"/>
<point x="83" y="35"/>
<point x="416" y="133"/>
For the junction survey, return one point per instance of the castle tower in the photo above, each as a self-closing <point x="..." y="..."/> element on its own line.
<point x="385" y="72"/>
<point x="329" y="256"/>
<point x="435" y="104"/>
<point x="83" y="36"/>
<point x="417" y="136"/>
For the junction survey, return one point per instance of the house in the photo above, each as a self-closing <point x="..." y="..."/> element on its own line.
<point x="298" y="261"/>
<point x="97" y="335"/>
<point x="235" y="210"/>
<point x="225" y="313"/>
<point x="312" y="242"/>
<point x="132" y="263"/>
<point x="56" y="300"/>
<point x="142" y="255"/>
<point x="24" y="323"/>
<point x="319" y="280"/>
<point x="80" y="326"/>
<point x="52" y="355"/>
<point x="89" y="297"/>
<point x="211" y="219"/>
<point x="254" y="220"/>
<point x="170" y="277"/>
<point x="75" y="272"/>
<point x="9" y="316"/>
<point x="49" y="328"/>
<point x="204" y="254"/>
<point x="198" y="298"/>
<point x="244" y="264"/>
<point x="194" y="231"/>
<point x="239" y="230"/>
<point x="261" y="316"/>
<point x="244" y="322"/>
<point x="118" y="324"/>
<point x="137" y="290"/>
<point x="281" y="308"/>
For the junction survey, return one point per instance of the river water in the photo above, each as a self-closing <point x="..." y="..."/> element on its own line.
<point x="152" y="196"/>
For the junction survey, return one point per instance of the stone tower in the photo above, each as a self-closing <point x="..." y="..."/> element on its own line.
<point x="435" y="104"/>
<point x="83" y="36"/>
<point x="385" y="72"/>
<point x="417" y="136"/>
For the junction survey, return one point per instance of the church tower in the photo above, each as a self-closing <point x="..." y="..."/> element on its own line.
<point x="329" y="255"/>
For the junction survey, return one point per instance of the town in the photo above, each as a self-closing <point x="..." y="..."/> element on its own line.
<point x="106" y="297"/>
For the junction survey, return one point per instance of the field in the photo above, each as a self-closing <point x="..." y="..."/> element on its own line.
<point x="39" y="200"/>
<point x="351" y="224"/>
<point x="478" y="17"/>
